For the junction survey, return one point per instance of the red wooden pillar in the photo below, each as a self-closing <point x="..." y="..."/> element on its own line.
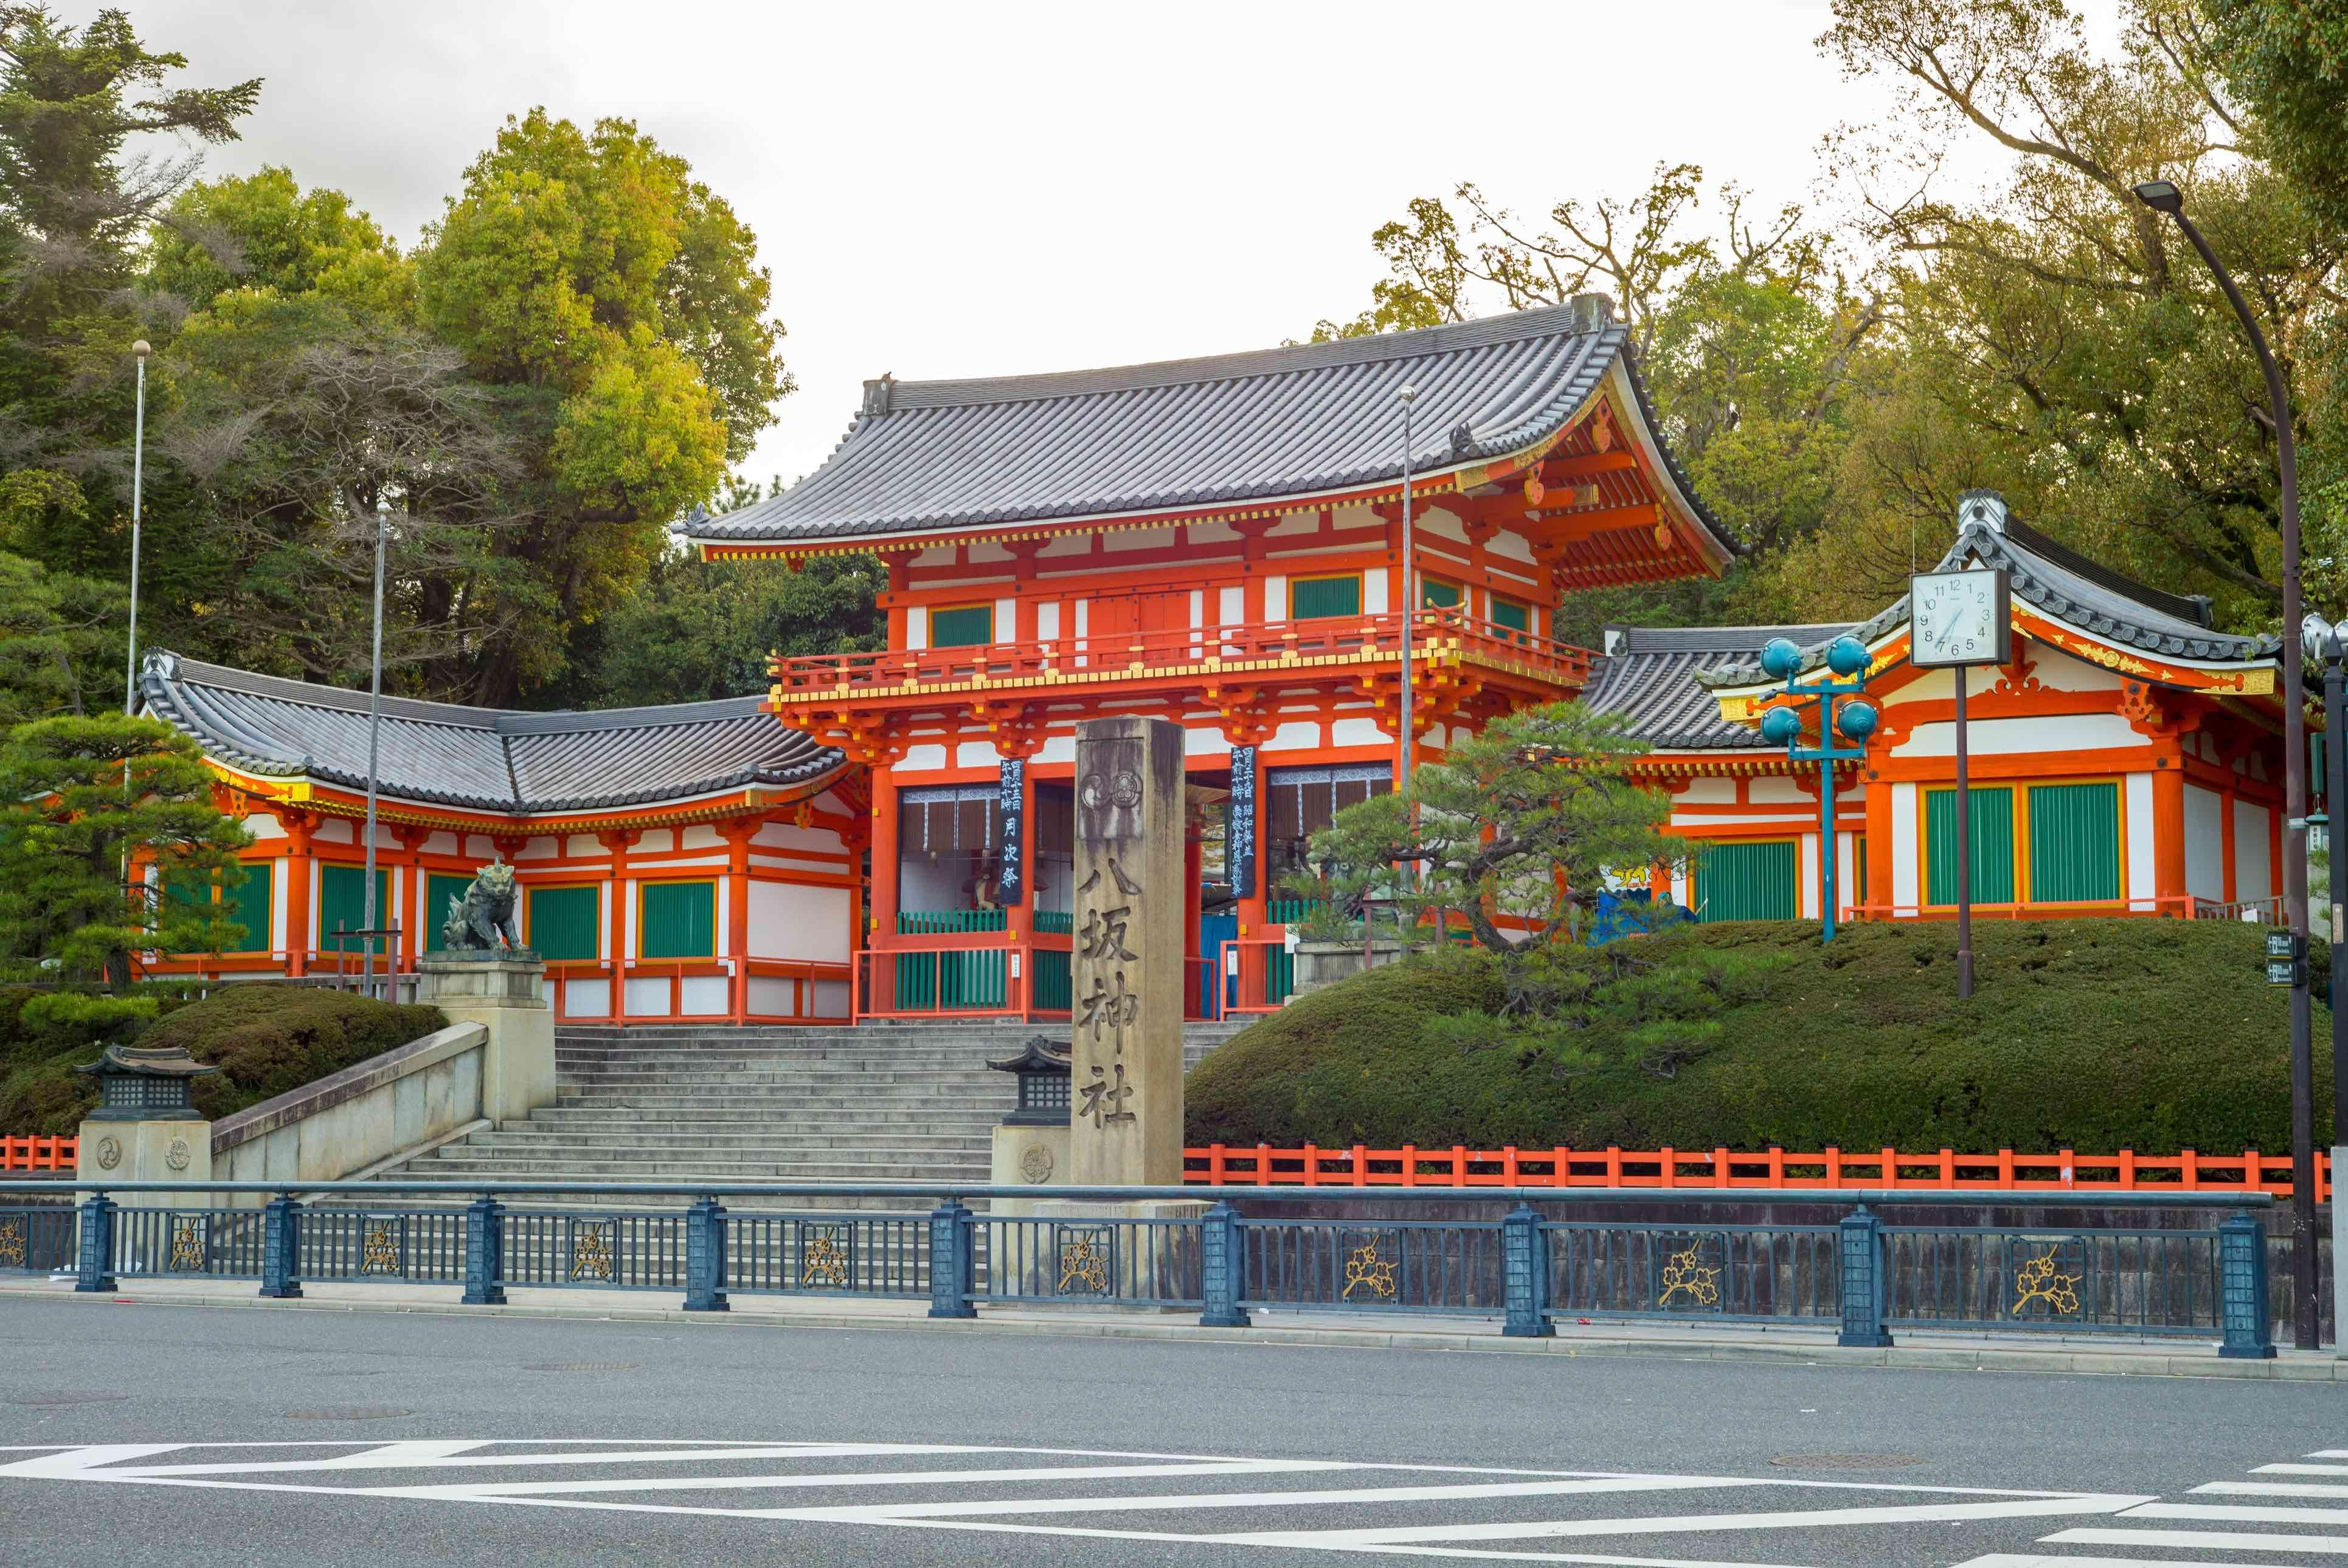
<point x="300" y="827"/>
<point x="880" y="983"/>
<point x="2168" y="889"/>
<point x="738" y="833"/>
<point x="615" y="873"/>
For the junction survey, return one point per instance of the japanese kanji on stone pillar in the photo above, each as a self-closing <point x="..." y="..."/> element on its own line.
<point x="1127" y="969"/>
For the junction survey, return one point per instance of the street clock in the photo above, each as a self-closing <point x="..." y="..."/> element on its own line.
<point x="1958" y="618"/>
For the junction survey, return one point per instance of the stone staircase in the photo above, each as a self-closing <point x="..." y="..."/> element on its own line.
<point x="882" y="1103"/>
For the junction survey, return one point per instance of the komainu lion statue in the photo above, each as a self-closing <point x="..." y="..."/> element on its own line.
<point x="483" y="919"/>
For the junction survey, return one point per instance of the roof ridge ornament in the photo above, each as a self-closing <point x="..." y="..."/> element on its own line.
<point x="878" y="395"/>
<point x="1986" y="509"/>
<point x="1592" y="312"/>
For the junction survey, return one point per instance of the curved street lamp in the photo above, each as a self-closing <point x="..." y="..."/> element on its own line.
<point x="2163" y="196"/>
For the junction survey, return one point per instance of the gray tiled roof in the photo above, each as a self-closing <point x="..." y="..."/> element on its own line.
<point x="487" y="759"/>
<point x="1648" y="674"/>
<point x="2063" y="585"/>
<point x="1233" y="428"/>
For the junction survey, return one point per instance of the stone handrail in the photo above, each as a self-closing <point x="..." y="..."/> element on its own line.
<point x="410" y="1096"/>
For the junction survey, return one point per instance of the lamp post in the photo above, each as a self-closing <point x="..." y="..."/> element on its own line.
<point x="1847" y="658"/>
<point x="375" y="728"/>
<point x="1406" y="396"/>
<point x="138" y="479"/>
<point x="2328" y="645"/>
<point x="2163" y="196"/>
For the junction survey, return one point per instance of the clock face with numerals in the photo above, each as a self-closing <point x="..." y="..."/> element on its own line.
<point x="1958" y="618"/>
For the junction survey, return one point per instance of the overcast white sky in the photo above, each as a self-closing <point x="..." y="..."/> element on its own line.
<point x="971" y="190"/>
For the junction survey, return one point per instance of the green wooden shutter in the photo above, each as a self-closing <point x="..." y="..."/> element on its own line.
<point x="1750" y="881"/>
<point x="246" y="901"/>
<point x="438" y="888"/>
<point x="564" y="921"/>
<point x="1316" y="596"/>
<point x="1508" y="612"/>
<point x="1993" y="836"/>
<point x="341" y="901"/>
<point x="971" y="626"/>
<point x="1436" y="594"/>
<point x="680" y="920"/>
<point x="2075" y="843"/>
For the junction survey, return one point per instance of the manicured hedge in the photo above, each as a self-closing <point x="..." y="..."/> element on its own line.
<point x="266" y="1039"/>
<point x="2096" y="1035"/>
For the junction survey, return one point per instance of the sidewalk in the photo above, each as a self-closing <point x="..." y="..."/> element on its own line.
<point x="1669" y="1341"/>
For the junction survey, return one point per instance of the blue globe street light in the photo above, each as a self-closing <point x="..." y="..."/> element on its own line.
<point x="1846" y="661"/>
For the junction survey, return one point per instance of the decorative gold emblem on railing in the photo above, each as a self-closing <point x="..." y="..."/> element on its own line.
<point x="2037" y="1281"/>
<point x="1082" y="1263"/>
<point x="187" y="1245"/>
<point x="822" y="1260"/>
<point x="379" y="1248"/>
<point x="1685" y="1273"/>
<point x="591" y="1251"/>
<point x="12" y="1243"/>
<point x="1367" y="1269"/>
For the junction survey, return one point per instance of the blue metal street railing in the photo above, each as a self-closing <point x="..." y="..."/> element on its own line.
<point x="1527" y="1267"/>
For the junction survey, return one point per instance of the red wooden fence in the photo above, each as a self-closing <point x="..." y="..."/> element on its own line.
<point x="1222" y="1164"/>
<point x="41" y="1153"/>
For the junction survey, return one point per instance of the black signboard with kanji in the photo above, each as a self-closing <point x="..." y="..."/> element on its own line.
<point x="1010" y="886"/>
<point x="1239" y="830"/>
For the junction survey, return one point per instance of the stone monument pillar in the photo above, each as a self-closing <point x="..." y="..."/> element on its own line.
<point x="504" y="992"/>
<point x="1126" y="971"/>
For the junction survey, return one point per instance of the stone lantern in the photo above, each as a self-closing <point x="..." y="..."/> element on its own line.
<point x="1031" y="1146"/>
<point x="145" y="1128"/>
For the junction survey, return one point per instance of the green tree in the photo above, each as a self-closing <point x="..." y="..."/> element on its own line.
<point x="1513" y="832"/>
<point x="74" y="207"/>
<point x="264" y="231"/>
<point x="60" y="641"/>
<point x="616" y="306"/>
<point x="2287" y="62"/>
<point x="99" y="817"/>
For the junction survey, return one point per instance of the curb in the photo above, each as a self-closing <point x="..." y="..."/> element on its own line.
<point x="1931" y="1358"/>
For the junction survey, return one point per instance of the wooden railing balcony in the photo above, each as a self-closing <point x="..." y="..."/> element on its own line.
<point x="1191" y="653"/>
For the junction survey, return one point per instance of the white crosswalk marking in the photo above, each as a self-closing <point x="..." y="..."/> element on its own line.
<point x="1359" y="1509"/>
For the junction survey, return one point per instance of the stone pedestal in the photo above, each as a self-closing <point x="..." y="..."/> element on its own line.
<point x="178" y="1150"/>
<point x="505" y="993"/>
<point x="1319" y="965"/>
<point x="1126" y="1089"/>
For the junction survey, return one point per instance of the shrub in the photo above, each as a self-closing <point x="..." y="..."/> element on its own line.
<point x="264" y="1039"/>
<point x="2156" y="1035"/>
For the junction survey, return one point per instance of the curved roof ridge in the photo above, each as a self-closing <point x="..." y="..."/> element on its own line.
<point x="1509" y="326"/>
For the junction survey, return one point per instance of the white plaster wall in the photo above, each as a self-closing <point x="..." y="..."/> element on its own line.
<point x="701" y="835"/>
<point x="1357" y="733"/>
<point x="2252" y="864"/>
<point x="1294" y="737"/>
<point x="280" y="875"/>
<point x="262" y="824"/>
<point x="1904" y="872"/>
<point x="647" y="999"/>
<point x="337" y="830"/>
<point x="1205" y="744"/>
<point x="976" y="754"/>
<point x="789" y="836"/>
<point x="1510" y="545"/>
<point x="792" y="922"/>
<point x="1231" y="606"/>
<point x="922" y="756"/>
<point x="1810" y="876"/>
<point x="479" y="847"/>
<point x="703" y="995"/>
<point x="1442" y="523"/>
<point x="2063" y="672"/>
<point x="655" y="841"/>
<point x="587" y="998"/>
<point x="1048" y="619"/>
<point x="2138" y="815"/>
<point x="2205" y="843"/>
<point x="1776" y="792"/>
<point x="1708" y="792"/>
<point x="1985" y="737"/>
<point x="1846" y="871"/>
<point x="830" y="998"/>
<point x="539" y="849"/>
<point x="1275" y="597"/>
<point x="446" y="843"/>
<point x="1374" y="593"/>
<point x="774" y="997"/>
<point x="1057" y="749"/>
<point x="917" y="626"/>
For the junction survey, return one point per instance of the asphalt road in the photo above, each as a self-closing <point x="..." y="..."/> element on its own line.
<point x="223" y="1436"/>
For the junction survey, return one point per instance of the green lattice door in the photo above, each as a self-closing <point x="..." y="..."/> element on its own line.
<point x="1750" y="881"/>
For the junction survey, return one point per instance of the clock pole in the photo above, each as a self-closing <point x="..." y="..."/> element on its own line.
<point x="1964" y="847"/>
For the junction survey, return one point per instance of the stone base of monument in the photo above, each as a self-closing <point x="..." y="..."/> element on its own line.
<point x="505" y="993"/>
<point x="160" y="1151"/>
<point x="1027" y="1156"/>
<point x="1139" y="1256"/>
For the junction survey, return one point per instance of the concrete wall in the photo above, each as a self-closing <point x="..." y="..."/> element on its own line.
<point x="362" y="1116"/>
